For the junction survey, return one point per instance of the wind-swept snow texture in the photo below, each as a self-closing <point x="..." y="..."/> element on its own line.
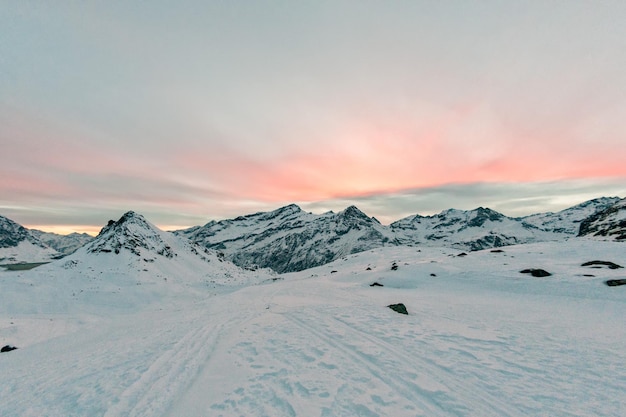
<point x="480" y="339"/>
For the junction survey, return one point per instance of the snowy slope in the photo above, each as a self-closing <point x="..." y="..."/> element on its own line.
<point x="609" y="223"/>
<point x="18" y="244"/>
<point x="289" y="239"/>
<point x="480" y="339"/>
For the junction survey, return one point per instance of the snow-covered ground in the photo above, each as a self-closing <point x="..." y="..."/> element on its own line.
<point x="480" y="339"/>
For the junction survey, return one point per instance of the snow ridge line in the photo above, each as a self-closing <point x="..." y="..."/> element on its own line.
<point x="496" y="406"/>
<point x="168" y="375"/>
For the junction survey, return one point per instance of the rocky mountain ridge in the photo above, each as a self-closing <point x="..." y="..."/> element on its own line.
<point x="290" y="239"/>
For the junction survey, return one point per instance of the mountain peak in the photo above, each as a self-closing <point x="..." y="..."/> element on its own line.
<point x="289" y="209"/>
<point x="353" y="211"/>
<point x="480" y="215"/>
<point x="285" y="211"/>
<point x="132" y="232"/>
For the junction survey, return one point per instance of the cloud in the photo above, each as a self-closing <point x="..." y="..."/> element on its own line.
<point x="209" y="110"/>
<point x="512" y="199"/>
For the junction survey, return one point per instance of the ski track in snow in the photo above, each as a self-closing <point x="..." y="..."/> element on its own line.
<point x="129" y="370"/>
<point x="152" y="393"/>
<point x="422" y="382"/>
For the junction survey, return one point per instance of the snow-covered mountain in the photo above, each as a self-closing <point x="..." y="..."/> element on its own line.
<point x="290" y="239"/>
<point x="132" y="244"/>
<point x="568" y="221"/>
<point x="18" y="244"/>
<point x="609" y="223"/>
<point x="466" y="229"/>
<point x="484" y="228"/>
<point x="65" y="244"/>
<point x="129" y="264"/>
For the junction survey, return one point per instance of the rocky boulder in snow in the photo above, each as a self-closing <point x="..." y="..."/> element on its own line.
<point x="600" y="264"/>
<point x="536" y="272"/>
<point x="399" y="308"/>
<point x="7" y="348"/>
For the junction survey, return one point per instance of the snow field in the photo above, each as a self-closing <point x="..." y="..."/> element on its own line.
<point x="480" y="339"/>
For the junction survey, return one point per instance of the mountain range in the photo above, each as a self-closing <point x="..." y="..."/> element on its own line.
<point x="290" y="239"/>
<point x="139" y="321"/>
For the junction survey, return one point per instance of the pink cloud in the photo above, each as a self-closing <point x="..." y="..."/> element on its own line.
<point x="367" y="154"/>
<point x="369" y="158"/>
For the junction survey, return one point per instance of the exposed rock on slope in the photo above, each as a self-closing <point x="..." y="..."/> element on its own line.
<point x="609" y="223"/>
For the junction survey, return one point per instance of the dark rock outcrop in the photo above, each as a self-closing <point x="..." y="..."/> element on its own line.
<point x="599" y="264"/>
<point x="615" y="282"/>
<point x="539" y="273"/>
<point x="7" y="348"/>
<point x="398" y="308"/>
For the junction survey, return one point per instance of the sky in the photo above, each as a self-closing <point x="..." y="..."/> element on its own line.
<point x="199" y="110"/>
